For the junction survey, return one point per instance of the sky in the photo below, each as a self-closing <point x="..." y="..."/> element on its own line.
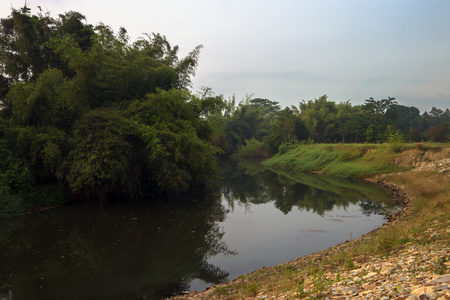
<point x="294" y="50"/>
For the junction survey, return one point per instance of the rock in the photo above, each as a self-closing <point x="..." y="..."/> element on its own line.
<point x="442" y="287"/>
<point x="433" y="295"/>
<point x="369" y="275"/>
<point x="445" y="297"/>
<point x="440" y="279"/>
<point x="422" y="290"/>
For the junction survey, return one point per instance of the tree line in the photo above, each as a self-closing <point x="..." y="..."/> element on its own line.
<point x="266" y="126"/>
<point x="87" y="113"/>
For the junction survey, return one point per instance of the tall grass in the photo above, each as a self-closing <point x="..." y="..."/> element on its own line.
<point x="344" y="161"/>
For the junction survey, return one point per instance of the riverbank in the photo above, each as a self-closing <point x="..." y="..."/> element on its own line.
<point x="407" y="258"/>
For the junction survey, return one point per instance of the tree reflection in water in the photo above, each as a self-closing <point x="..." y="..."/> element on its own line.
<point x="115" y="252"/>
<point x="157" y="248"/>
<point x="248" y="182"/>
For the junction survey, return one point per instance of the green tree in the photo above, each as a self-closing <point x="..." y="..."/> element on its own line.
<point x="171" y="131"/>
<point x="4" y="89"/>
<point x="100" y="156"/>
<point x="380" y="114"/>
<point x="409" y="118"/>
<point x="370" y="133"/>
<point x="23" y="36"/>
<point x="250" y="120"/>
<point x="358" y="124"/>
<point x="343" y="119"/>
<point x="319" y="117"/>
<point x="285" y="127"/>
<point x="44" y="103"/>
<point x="85" y="108"/>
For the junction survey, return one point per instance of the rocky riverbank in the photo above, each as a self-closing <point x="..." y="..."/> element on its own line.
<point x="408" y="258"/>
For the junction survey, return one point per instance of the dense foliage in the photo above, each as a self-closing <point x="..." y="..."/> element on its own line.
<point x="85" y="109"/>
<point x="84" y="113"/>
<point x="323" y="121"/>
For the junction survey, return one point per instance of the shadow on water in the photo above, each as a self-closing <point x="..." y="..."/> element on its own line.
<point x="154" y="249"/>
<point x="118" y="252"/>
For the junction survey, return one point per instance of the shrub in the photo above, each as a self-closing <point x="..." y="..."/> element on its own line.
<point x="350" y="153"/>
<point x="252" y="148"/>
<point x="394" y="138"/>
<point x="10" y="204"/>
<point x="284" y="148"/>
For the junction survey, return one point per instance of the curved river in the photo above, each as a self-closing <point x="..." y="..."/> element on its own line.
<point x="153" y="249"/>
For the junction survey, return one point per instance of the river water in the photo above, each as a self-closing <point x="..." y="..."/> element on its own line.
<point x="159" y="247"/>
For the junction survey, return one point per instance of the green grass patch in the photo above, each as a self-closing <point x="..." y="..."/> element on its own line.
<point x="340" y="160"/>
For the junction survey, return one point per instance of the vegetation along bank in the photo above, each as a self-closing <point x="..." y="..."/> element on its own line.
<point x="86" y="114"/>
<point x="408" y="258"/>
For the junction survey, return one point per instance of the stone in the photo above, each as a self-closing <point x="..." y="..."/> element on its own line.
<point x="422" y="290"/>
<point x="445" y="297"/>
<point x="369" y="286"/>
<point x="441" y="287"/>
<point x="433" y="295"/>
<point x="440" y="279"/>
<point x="369" y="275"/>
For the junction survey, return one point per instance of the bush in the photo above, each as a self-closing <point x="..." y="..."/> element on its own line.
<point x="10" y="204"/>
<point x="252" y="148"/>
<point x="284" y="148"/>
<point x="394" y="138"/>
<point x="350" y="153"/>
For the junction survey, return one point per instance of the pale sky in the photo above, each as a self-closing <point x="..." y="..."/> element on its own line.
<point x="294" y="50"/>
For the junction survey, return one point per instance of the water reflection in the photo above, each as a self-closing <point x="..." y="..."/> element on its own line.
<point x="248" y="182"/>
<point x="162" y="247"/>
<point x="117" y="252"/>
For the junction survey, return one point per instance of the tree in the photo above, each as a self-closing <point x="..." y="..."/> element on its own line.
<point x="100" y="156"/>
<point x="409" y="118"/>
<point x="44" y="103"/>
<point x="250" y="120"/>
<point x="438" y="133"/>
<point x="168" y="125"/>
<point x="358" y="124"/>
<point x="286" y="127"/>
<point x="379" y="107"/>
<point x="84" y="108"/>
<point x="24" y="53"/>
<point x="380" y="114"/>
<point x="343" y="118"/>
<point x="72" y="23"/>
<point x="319" y="118"/>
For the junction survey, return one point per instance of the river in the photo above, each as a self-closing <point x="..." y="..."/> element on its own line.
<point x="157" y="247"/>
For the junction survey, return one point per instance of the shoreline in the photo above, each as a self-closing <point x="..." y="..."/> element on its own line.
<point x="397" y="193"/>
<point x="316" y="263"/>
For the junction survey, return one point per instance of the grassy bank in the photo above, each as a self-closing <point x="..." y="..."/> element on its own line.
<point x="424" y="220"/>
<point x="345" y="160"/>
